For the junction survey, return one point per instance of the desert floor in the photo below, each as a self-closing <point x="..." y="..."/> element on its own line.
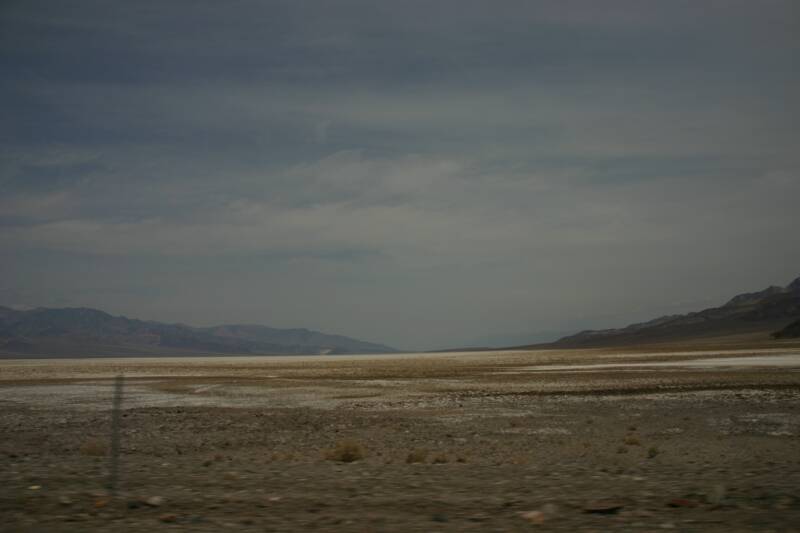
<point x="640" y="439"/>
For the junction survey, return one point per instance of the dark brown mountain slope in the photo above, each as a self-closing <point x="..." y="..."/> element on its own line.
<point x="792" y="331"/>
<point x="766" y="311"/>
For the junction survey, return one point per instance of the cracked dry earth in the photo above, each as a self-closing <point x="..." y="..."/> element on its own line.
<point x="456" y="442"/>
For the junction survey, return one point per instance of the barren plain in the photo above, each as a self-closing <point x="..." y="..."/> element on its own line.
<point x="691" y="438"/>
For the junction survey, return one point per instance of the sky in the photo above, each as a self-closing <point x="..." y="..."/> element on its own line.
<point x="424" y="174"/>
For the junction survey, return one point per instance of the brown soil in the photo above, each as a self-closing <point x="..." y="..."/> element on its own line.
<point x="437" y="442"/>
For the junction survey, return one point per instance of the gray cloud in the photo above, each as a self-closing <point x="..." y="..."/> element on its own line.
<point x="423" y="174"/>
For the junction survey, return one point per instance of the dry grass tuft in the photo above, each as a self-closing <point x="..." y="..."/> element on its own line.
<point x="519" y="459"/>
<point x="94" y="447"/>
<point x="652" y="452"/>
<point x="417" y="456"/>
<point x="346" y="451"/>
<point x="632" y="440"/>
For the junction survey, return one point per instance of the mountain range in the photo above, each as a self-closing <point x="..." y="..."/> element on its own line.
<point x="774" y="310"/>
<point x="83" y="332"/>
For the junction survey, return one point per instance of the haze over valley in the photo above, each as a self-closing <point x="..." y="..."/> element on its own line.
<point x="399" y="266"/>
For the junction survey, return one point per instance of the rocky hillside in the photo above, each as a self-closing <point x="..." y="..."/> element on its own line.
<point x="74" y="332"/>
<point x="768" y="310"/>
<point x="792" y="331"/>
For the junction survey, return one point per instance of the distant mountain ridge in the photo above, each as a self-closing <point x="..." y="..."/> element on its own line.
<point x="768" y="310"/>
<point x="75" y="332"/>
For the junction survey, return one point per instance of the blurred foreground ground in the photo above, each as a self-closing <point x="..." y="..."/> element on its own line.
<point x="499" y="441"/>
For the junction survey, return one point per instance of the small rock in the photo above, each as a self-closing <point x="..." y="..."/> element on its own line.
<point x="99" y="503"/>
<point x="154" y="501"/>
<point x="439" y="517"/>
<point x="681" y="502"/>
<point x="534" y="517"/>
<point x="65" y="500"/>
<point x="603" y="506"/>
<point x="168" y="518"/>
<point x="34" y="487"/>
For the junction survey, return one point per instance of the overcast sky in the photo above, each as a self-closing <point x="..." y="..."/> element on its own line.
<point x="418" y="173"/>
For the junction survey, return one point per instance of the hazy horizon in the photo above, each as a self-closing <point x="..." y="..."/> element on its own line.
<point x="420" y="174"/>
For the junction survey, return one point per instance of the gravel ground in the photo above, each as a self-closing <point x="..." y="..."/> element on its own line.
<point x="436" y="443"/>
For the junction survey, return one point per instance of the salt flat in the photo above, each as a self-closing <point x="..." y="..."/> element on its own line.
<point x="457" y="442"/>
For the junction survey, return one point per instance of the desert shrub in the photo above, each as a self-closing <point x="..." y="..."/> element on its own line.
<point x="519" y="459"/>
<point x="94" y="447"/>
<point x="440" y="459"/>
<point x="652" y="452"/>
<point x="417" y="456"/>
<point x="632" y="440"/>
<point x="346" y="451"/>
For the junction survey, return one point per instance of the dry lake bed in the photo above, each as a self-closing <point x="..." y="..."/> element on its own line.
<point x="644" y="440"/>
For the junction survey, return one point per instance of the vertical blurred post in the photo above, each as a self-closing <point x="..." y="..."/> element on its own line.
<point x="113" y="477"/>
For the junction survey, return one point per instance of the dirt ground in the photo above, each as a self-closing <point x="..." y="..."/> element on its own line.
<point x="499" y="441"/>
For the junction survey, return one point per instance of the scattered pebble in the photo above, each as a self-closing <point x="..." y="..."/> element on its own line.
<point x="534" y="517"/>
<point x="681" y="502"/>
<point x="99" y="503"/>
<point x="154" y="501"/>
<point x="168" y="518"/>
<point x="603" y="506"/>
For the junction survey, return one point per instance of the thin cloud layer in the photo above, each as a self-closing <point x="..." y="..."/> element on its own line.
<point x="420" y="174"/>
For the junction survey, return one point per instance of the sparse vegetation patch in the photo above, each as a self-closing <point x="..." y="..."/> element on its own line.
<point x="346" y="451"/>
